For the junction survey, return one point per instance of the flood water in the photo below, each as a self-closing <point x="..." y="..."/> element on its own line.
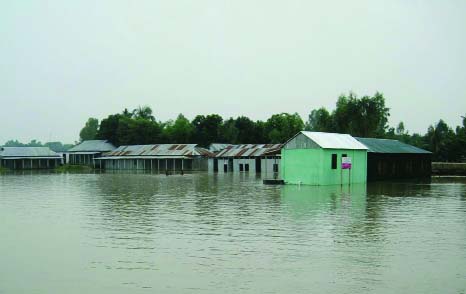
<point x="200" y="233"/>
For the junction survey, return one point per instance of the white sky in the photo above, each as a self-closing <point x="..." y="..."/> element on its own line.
<point x="64" y="61"/>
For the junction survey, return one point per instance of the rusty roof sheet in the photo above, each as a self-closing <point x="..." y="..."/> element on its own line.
<point x="249" y="150"/>
<point x="156" y="150"/>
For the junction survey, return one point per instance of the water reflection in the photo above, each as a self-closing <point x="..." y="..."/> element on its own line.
<point x="227" y="233"/>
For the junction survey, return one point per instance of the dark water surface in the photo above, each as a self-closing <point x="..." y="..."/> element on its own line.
<point x="200" y="233"/>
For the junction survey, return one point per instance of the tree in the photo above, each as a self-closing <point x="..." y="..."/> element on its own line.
<point x="281" y="127"/>
<point x="89" y="132"/>
<point x="108" y="129"/>
<point x="319" y="120"/>
<point x="362" y="117"/>
<point x="400" y="129"/>
<point x="143" y="112"/>
<point x="229" y="132"/>
<point x="440" y="138"/>
<point x="179" y="131"/>
<point x="246" y="130"/>
<point x="207" y="129"/>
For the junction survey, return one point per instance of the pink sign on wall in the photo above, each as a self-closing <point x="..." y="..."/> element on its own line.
<point x="346" y="163"/>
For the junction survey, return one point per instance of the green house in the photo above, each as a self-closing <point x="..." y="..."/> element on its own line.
<point x="316" y="158"/>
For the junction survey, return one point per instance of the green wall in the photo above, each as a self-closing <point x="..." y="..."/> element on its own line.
<point x="314" y="166"/>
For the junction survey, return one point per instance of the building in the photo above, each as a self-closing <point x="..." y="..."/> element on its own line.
<point x="85" y="152"/>
<point x="158" y="157"/>
<point x="253" y="158"/>
<point x="392" y="159"/>
<point x="29" y="158"/>
<point x="315" y="158"/>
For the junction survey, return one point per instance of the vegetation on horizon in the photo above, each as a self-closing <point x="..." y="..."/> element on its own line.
<point x="365" y="116"/>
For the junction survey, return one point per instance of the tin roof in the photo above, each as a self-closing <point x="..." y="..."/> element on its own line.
<point x="216" y="147"/>
<point x="93" y="145"/>
<point x="334" y="140"/>
<point x="248" y="150"/>
<point x="27" y="152"/>
<point x="390" y="146"/>
<point x="159" y="150"/>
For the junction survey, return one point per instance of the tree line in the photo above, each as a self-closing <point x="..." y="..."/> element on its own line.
<point x="368" y="117"/>
<point x="365" y="116"/>
<point x="141" y="127"/>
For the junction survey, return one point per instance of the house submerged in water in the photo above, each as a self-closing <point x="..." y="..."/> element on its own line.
<point x="253" y="158"/>
<point x="157" y="157"/>
<point x="392" y="159"/>
<point x="85" y="152"/>
<point x="316" y="158"/>
<point x="29" y="158"/>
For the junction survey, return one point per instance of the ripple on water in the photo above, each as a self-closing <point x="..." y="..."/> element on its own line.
<point x="114" y="233"/>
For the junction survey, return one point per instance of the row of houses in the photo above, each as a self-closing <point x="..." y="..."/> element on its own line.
<point x="317" y="158"/>
<point x="307" y="158"/>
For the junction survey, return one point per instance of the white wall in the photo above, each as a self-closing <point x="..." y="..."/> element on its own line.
<point x="267" y="166"/>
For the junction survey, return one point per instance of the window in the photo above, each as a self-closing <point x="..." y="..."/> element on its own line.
<point x="334" y="161"/>
<point x="275" y="167"/>
<point x="246" y="167"/>
<point x="344" y="155"/>
<point x="225" y="168"/>
<point x="241" y="167"/>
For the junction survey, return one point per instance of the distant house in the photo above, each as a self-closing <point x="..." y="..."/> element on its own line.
<point x="316" y="158"/>
<point x="392" y="159"/>
<point x="29" y="158"/>
<point x="85" y="152"/>
<point x="157" y="157"/>
<point x="253" y="158"/>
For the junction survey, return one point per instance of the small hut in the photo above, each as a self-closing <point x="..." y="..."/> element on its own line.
<point x="85" y="152"/>
<point x="157" y="157"/>
<point x="253" y="158"/>
<point x="392" y="159"/>
<point x="29" y="158"/>
<point x="316" y="158"/>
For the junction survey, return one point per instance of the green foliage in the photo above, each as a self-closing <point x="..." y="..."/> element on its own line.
<point x="361" y="117"/>
<point x="179" y="131"/>
<point x="366" y="116"/>
<point x="89" y="132"/>
<point x="281" y="127"/>
<point x="207" y="129"/>
<point x="319" y="120"/>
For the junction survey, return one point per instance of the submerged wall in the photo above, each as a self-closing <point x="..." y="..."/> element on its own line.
<point x="314" y="167"/>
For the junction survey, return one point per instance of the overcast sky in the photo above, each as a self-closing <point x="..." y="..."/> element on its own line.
<point x="64" y="61"/>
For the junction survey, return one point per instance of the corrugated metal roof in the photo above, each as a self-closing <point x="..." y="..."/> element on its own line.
<point x="159" y="150"/>
<point x="248" y="150"/>
<point x="334" y="140"/>
<point x="390" y="146"/>
<point x="216" y="147"/>
<point x="27" y="152"/>
<point x="93" y="145"/>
